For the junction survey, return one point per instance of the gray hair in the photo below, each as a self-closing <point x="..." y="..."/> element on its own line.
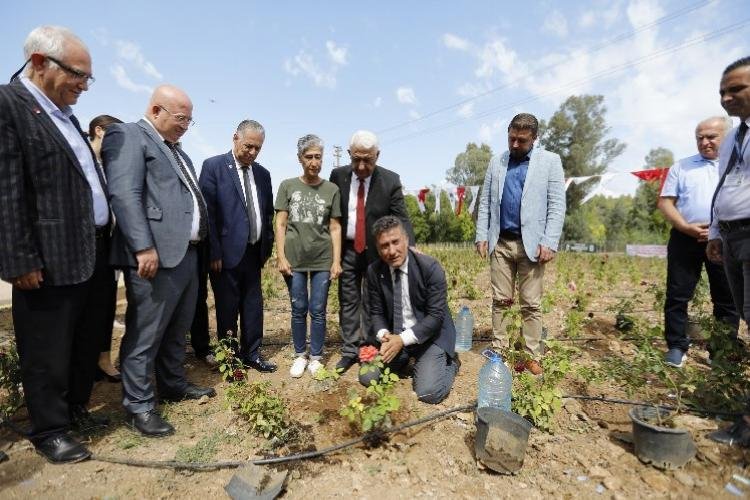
<point x="309" y="141"/>
<point x="49" y="41"/>
<point x="250" y="126"/>
<point x="364" y="139"/>
<point x="725" y="121"/>
<point x="386" y="223"/>
<point x="524" y="121"/>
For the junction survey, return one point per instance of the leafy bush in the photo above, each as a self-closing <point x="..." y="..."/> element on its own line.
<point x="258" y="404"/>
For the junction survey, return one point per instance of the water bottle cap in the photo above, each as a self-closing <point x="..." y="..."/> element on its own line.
<point x="493" y="356"/>
<point x="464" y="308"/>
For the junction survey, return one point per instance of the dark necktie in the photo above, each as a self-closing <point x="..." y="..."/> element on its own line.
<point x="203" y="212"/>
<point x="398" y="310"/>
<point x="359" y="227"/>
<point x="250" y="206"/>
<point x="733" y="160"/>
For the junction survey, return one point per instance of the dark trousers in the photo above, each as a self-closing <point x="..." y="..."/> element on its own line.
<point x="199" y="337"/>
<point x="686" y="257"/>
<point x="353" y="307"/>
<point x="58" y="333"/>
<point x="736" y="253"/>
<point x="237" y="292"/>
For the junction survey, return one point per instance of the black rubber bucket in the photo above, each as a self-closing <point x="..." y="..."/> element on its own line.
<point x="662" y="447"/>
<point x="501" y="439"/>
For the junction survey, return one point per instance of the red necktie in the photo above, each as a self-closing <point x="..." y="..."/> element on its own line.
<point x="359" y="228"/>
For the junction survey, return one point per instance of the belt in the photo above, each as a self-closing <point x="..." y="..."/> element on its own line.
<point x="727" y="226"/>
<point x="194" y="243"/>
<point x="101" y="232"/>
<point x="510" y="235"/>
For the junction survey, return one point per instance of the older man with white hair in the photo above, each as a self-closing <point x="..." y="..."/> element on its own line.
<point x="368" y="192"/>
<point x="54" y="239"/>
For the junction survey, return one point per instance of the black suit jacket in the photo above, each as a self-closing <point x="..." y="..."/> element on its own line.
<point x="385" y="197"/>
<point x="428" y="294"/>
<point x="46" y="206"/>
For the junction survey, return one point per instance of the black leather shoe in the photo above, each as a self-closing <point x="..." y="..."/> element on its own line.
<point x="192" y="391"/>
<point x="62" y="449"/>
<point x="82" y="420"/>
<point x="345" y="363"/>
<point x="738" y="434"/>
<point x="262" y="365"/>
<point x="150" y="424"/>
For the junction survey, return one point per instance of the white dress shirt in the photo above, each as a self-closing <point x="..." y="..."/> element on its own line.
<point x="61" y="119"/>
<point x="733" y="199"/>
<point x="351" y="224"/>
<point x="407" y="336"/>
<point x="253" y="191"/>
<point x="196" y="223"/>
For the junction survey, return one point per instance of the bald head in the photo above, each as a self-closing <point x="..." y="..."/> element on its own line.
<point x="709" y="133"/>
<point x="170" y="111"/>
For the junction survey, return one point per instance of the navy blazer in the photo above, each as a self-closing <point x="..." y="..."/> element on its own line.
<point x="228" y="225"/>
<point x="428" y="293"/>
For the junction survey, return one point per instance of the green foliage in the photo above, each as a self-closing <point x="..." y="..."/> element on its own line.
<point x="373" y="410"/>
<point x="263" y="409"/>
<point x="201" y="452"/>
<point x="230" y="365"/>
<point x="10" y="380"/>
<point x="470" y="166"/>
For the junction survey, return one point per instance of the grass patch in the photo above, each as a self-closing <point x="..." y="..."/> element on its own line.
<point x="201" y="452"/>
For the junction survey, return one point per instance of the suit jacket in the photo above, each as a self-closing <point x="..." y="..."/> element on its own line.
<point x="428" y="296"/>
<point x="542" y="202"/>
<point x="46" y="206"/>
<point x="385" y="197"/>
<point x="150" y="198"/>
<point x="228" y="225"/>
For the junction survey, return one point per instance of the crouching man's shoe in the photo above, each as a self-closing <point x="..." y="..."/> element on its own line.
<point x="738" y="434"/>
<point x="83" y="421"/>
<point x="150" y="424"/>
<point x="62" y="449"/>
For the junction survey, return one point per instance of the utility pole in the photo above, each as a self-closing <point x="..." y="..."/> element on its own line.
<point x="337" y="154"/>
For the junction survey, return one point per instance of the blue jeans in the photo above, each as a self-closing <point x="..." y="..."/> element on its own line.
<point x="315" y="305"/>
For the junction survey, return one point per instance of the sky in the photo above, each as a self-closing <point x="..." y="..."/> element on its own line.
<point x="427" y="76"/>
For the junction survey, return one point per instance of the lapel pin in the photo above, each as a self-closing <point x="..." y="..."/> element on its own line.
<point x="37" y="110"/>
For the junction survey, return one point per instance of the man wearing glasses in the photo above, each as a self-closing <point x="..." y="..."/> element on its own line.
<point x="368" y="192"/>
<point x="161" y="221"/>
<point x="54" y="239"/>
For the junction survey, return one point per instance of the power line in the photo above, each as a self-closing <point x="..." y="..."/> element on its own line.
<point x="616" y="69"/>
<point x="596" y="48"/>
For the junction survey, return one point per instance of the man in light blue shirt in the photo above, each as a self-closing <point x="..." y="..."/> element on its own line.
<point x="685" y="201"/>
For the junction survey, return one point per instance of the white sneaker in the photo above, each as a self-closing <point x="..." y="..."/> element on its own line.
<point x="314" y="366"/>
<point x="298" y="367"/>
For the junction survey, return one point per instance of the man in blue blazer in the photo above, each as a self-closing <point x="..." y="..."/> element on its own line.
<point x="239" y="199"/>
<point x="521" y="214"/>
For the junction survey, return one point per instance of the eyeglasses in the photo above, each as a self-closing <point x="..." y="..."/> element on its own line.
<point x="77" y="74"/>
<point x="182" y="119"/>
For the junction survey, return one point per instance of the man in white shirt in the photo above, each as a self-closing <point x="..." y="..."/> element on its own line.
<point x="685" y="201"/>
<point x="729" y="232"/>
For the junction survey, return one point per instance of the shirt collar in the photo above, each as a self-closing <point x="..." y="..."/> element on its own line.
<point x="404" y="267"/>
<point x="157" y="132"/>
<point x="238" y="164"/>
<point x="44" y="101"/>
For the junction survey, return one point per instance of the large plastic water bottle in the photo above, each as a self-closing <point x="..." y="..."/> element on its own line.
<point x="464" y="329"/>
<point x="495" y="382"/>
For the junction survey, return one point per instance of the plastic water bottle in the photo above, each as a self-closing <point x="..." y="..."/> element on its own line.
<point x="464" y="329"/>
<point x="495" y="382"/>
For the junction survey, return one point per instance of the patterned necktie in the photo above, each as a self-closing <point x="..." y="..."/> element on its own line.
<point x="733" y="160"/>
<point x="398" y="310"/>
<point x="203" y="212"/>
<point x="359" y="227"/>
<point x="250" y="206"/>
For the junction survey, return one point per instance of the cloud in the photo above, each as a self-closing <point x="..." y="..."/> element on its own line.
<point x="587" y="19"/>
<point x="556" y="24"/>
<point x="414" y="114"/>
<point x="467" y="110"/>
<point x="304" y="64"/>
<point x="124" y="81"/>
<point x="131" y="52"/>
<point x="377" y="102"/>
<point x="406" y="95"/>
<point x="337" y="54"/>
<point x="455" y="42"/>
<point x="495" y="56"/>
<point x="489" y="132"/>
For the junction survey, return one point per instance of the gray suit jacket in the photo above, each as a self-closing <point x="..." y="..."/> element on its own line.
<point x="151" y="200"/>
<point x="542" y="202"/>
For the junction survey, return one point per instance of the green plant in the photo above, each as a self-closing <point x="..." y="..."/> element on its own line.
<point x="264" y="410"/>
<point x="201" y="452"/>
<point x="10" y="380"/>
<point x="230" y="365"/>
<point x="372" y="411"/>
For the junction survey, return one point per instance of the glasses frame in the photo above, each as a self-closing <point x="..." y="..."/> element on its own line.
<point x="180" y="118"/>
<point x="80" y="75"/>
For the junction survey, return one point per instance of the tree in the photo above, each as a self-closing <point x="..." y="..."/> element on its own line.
<point x="470" y="166"/>
<point x="644" y="214"/>
<point x="577" y="132"/>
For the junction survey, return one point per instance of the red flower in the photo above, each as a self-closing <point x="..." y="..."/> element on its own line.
<point x="367" y="353"/>
<point x="520" y="366"/>
<point x="238" y="374"/>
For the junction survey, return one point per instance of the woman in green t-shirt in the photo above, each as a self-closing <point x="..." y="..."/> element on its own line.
<point x="308" y="248"/>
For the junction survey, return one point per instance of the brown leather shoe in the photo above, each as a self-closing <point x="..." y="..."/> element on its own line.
<point x="534" y="367"/>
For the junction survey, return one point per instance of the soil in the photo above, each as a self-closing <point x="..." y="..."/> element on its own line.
<point x="589" y="454"/>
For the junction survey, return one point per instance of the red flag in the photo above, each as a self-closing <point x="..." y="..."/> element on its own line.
<point x="653" y="174"/>
<point x="421" y="197"/>
<point x="460" y="193"/>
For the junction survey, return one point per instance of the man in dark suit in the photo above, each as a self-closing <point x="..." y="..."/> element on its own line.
<point x="161" y="220"/>
<point x="409" y="313"/>
<point x="54" y="239"/>
<point x="239" y="198"/>
<point x="368" y="192"/>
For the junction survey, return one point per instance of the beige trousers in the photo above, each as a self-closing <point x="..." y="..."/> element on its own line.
<point x="508" y="263"/>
